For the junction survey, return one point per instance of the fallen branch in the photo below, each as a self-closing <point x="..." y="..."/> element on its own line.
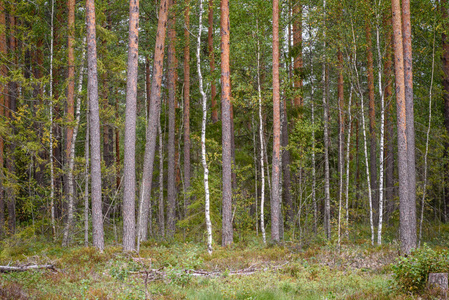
<point x="6" y="269"/>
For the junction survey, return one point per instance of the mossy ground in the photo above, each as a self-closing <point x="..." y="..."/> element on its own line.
<point x="321" y="271"/>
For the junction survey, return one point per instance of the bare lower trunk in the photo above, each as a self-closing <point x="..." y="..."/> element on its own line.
<point x="52" y="172"/>
<point x="203" y="134"/>
<point x="427" y="146"/>
<point x="275" y="196"/>
<point x="86" y="180"/>
<point x="70" y="183"/>
<point x="161" y="181"/>
<point x="97" y="216"/>
<point x="151" y="133"/>
<point x="348" y="161"/>
<point x="262" y="170"/>
<point x="186" y="109"/>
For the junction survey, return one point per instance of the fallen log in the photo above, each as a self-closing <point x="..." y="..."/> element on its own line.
<point x="6" y="269"/>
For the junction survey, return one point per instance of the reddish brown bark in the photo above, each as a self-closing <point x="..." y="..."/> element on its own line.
<point x="411" y="240"/>
<point x="227" y="232"/>
<point x="153" y="118"/>
<point x="445" y="63"/>
<point x="401" y="127"/>
<point x="372" y="121"/>
<point x="3" y="100"/>
<point x="275" y="197"/>
<point x="187" y="107"/>
<point x="210" y="44"/>
<point x="171" y="182"/>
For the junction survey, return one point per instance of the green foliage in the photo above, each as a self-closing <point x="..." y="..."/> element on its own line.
<point x="411" y="272"/>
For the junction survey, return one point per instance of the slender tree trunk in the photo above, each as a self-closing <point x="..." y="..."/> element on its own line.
<point x="372" y="122"/>
<point x="129" y="167"/>
<point x="327" y="200"/>
<point x="410" y="122"/>
<point x="348" y="162"/>
<point x="227" y="232"/>
<point x="389" y="134"/>
<point x="151" y="133"/>
<point x="161" y="180"/>
<point x="341" y="136"/>
<point x="203" y="133"/>
<point x="262" y="170"/>
<point x="70" y="110"/>
<point x="3" y="101"/>
<point x="275" y="197"/>
<point x="171" y="183"/>
<point x="210" y="45"/>
<point x="117" y="148"/>
<point x="403" y="169"/>
<point x="86" y="179"/>
<point x="52" y="176"/>
<point x="382" y="133"/>
<point x="423" y="199"/>
<point x="71" y="159"/>
<point x="445" y="63"/>
<point x="186" y="121"/>
<point x="97" y="215"/>
<point x="365" y="144"/>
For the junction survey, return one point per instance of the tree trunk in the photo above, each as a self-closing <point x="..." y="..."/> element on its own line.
<point x="129" y="167"/>
<point x="92" y="84"/>
<point x="203" y="133"/>
<point x="86" y="179"/>
<point x="227" y="232"/>
<point x="210" y="44"/>
<point x="171" y="182"/>
<point x="261" y="134"/>
<point x="275" y="197"/>
<point x="3" y="101"/>
<point x="186" y="121"/>
<point x="410" y="123"/>
<point x="71" y="159"/>
<point x="151" y="133"/>
<point x="327" y="200"/>
<point x="403" y="169"/>
<point x="341" y="136"/>
<point x="372" y="123"/>
<point x="161" y="217"/>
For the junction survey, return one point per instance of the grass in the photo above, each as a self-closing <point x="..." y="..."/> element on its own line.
<point x="356" y="271"/>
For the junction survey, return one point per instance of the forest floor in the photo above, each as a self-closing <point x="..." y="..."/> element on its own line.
<point x="246" y="270"/>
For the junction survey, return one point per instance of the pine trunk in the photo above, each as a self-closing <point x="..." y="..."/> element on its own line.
<point x="97" y="215"/>
<point x="275" y="195"/>
<point x="186" y="121"/>
<point x="171" y="182"/>
<point x="227" y="232"/>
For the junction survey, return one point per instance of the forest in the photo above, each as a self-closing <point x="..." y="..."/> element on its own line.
<point x="224" y="149"/>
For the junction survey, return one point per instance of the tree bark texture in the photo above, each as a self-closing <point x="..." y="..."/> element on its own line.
<point x="171" y="182"/>
<point x="275" y="197"/>
<point x="186" y="112"/>
<point x="372" y="122"/>
<point x="403" y="169"/>
<point x="151" y="133"/>
<point x="129" y="167"/>
<point x="445" y="63"/>
<point x="97" y="215"/>
<point x="3" y="101"/>
<point x="227" y="232"/>
<point x="410" y="121"/>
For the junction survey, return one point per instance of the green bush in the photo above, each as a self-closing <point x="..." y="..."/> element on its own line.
<point x="411" y="273"/>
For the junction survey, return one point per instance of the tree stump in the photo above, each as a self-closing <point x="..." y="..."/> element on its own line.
<point x="438" y="282"/>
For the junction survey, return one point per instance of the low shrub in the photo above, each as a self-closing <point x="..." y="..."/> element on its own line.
<point x="411" y="272"/>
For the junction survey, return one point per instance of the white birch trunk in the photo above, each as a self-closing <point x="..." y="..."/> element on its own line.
<point x="427" y="146"/>
<point x="382" y="134"/>
<point x="348" y="144"/>
<point x="262" y="171"/>
<point x="364" y="136"/>
<point x="203" y="134"/>
<point x="71" y="188"/>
